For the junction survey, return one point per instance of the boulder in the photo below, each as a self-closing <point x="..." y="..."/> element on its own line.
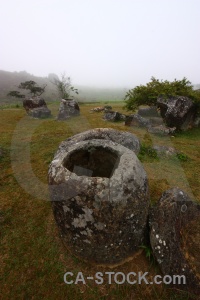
<point x="148" y="112"/>
<point x="137" y="120"/>
<point x="113" y="116"/>
<point x="177" y="111"/>
<point x="34" y="102"/>
<point x="100" y="200"/>
<point x="161" y="130"/>
<point x="156" y="121"/>
<point x="174" y="237"/>
<point x="165" y="150"/>
<point x="123" y="138"/>
<point x="68" y="108"/>
<point x="40" y="112"/>
<point x="36" y="107"/>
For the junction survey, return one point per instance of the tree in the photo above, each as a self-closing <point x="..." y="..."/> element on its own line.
<point x="32" y="87"/>
<point x="64" y="87"/>
<point x="148" y="94"/>
<point x="15" y="94"/>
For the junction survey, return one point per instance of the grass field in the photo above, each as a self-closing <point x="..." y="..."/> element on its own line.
<point x="33" y="259"/>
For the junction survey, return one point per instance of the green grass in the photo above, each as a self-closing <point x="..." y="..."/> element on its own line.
<point x="33" y="259"/>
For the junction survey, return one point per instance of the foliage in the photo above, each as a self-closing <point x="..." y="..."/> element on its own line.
<point x="32" y="87"/>
<point x="147" y="94"/>
<point x="182" y="157"/>
<point x="148" y="251"/>
<point x="15" y="94"/>
<point x="147" y="152"/>
<point x="64" y="87"/>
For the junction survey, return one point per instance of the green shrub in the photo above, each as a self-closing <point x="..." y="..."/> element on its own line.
<point x="147" y="94"/>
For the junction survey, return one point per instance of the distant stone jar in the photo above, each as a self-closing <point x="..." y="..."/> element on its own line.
<point x="100" y="200"/>
<point x="68" y="108"/>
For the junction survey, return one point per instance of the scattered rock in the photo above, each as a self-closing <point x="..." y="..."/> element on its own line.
<point x="165" y="150"/>
<point x="175" y="239"/>
<point x="68" y="108"/>
<point x="97" y="109"/>
<point x="177" y="111"/>
<point x="107" y="108"/>
<point x="123" y="138"/>
<point x="148" y="112"/>
<point x="101" y="108"/>
<point x="137" y="120"/>
<point x="40" y="112"/>
<point x="156" y="121"/>
<point x="114" y="116"/>
<point x="36" y="107"/>
<point x="100" y="200"/>
<point x="161" y="129"/>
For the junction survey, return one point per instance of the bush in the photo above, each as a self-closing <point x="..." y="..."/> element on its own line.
<point x="148" y="94"/>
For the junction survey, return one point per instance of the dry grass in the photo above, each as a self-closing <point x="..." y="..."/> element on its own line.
<point x="33" y="259"/>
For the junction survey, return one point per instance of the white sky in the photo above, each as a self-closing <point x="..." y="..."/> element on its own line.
<point x="116" y="43"/>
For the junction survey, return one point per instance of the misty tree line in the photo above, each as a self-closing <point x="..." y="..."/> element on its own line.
<point x="63" y="85"/>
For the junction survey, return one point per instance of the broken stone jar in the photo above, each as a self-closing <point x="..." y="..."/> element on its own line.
<point x="100" y="200"/>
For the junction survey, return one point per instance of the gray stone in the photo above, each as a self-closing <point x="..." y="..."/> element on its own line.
<point x="148" y="112"/>
<point x="40" y="112"/>
<point x="34" y="102"/>
<point x="123" y="138"/>
<point x="156" y="121"/>
<point x="68" y="108"/>
<point x="100" y="200"/>
<point x="137" y="120"/>
<point x="165" y="150"/>
<point x="36" y="107"/>
<point x="161" y="130"/>
<point x="174" y="236"/>
<point x="177" y="111"/>
<point x="114" y="116"/>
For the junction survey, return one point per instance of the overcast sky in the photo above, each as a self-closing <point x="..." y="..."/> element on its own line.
<point x="116" y="43"/>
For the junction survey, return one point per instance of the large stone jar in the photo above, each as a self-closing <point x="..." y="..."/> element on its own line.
<point x="99" y="194"/>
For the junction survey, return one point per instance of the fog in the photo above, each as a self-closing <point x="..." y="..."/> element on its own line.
<point x="108" y="43"/>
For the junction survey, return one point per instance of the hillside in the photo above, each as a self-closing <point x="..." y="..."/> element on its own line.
<point x="10" y="80"/>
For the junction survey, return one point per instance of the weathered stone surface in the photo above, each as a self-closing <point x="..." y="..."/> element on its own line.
<point x="100" y="200"/>
<point x="36" y="107"/>
<point x="148" y="112"/>
<point x="68" y="108"/>
<point x="161" y="129"/>
<point x="165" y="150"/>
<point x="137" y="120"/>
<point x="40" y="112"/>
<point x="123" y="138"/>
<point x="178" y="111"/>
<point x="174" y="236"/>
<point x="156" y="121"/>
<point x="34" y="102"/>
<point x="113" y="116"/>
